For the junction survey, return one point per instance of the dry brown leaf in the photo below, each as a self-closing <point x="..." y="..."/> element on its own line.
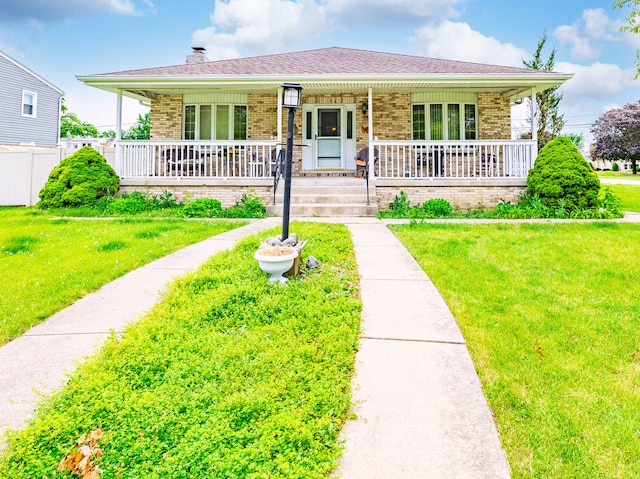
<point x="80" y="461"/>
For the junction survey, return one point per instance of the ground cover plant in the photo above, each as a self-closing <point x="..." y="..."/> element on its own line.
<point x="49" y="263"/>
<point x="529" y="206"/>
<point x="227" y="376"/>
<point x="551" y="316"/>
<point x="165" y="204"/>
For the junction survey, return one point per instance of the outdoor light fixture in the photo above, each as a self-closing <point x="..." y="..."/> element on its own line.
<point x="290" y="100"/>
<point x="365" y="107"/>
<point x="292" y="95"/>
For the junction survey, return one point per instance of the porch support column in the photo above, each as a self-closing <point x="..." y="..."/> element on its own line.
<point x="534" y="125"/>
<point x="279" y="130"/>
<point x="119" y="168"/>
<point x="370" y="129"/>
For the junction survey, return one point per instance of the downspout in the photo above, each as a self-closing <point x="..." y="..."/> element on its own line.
<point x="119" y="132"/>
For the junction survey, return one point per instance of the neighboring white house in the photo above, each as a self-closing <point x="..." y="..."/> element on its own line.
<point x="29" y="106"/>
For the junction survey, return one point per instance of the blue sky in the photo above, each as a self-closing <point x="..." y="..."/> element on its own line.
<point x="65" y="38"/>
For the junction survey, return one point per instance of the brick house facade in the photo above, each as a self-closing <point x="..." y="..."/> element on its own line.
<point x="434" y="128"/>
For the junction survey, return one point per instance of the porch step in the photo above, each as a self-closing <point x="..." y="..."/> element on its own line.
<point x="325" y="210"/>
<point x="327" y="196"/>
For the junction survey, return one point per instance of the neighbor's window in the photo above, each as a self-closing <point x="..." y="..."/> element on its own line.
<point x="215" y="122"/>
<point x="29" y="100"/>
<point x="443" y="121"/>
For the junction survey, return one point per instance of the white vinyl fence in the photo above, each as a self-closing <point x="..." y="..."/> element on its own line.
<point x="24" y="171"/>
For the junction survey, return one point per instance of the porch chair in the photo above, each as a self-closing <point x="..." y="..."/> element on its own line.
<point x="362" y="169"/>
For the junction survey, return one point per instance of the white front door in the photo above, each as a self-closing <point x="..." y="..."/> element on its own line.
<point x="329" y="137"/>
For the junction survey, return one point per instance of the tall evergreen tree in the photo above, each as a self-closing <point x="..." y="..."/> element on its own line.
<point x="550" y="122"/>
<point x="633" y="22"/>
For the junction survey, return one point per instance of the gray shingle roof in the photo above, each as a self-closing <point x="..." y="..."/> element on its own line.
<point x="329" y="61"/>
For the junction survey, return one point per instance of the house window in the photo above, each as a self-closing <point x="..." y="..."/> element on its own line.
<point x="443" y="121"/>
<point x="215" y="122"/>
<point x="29" y="100"/>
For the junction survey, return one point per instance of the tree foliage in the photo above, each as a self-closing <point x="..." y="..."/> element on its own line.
<point x="633" y="22"/>
<point x="617" y="135"/>
<point x="141" y="130"/>
<point x="550" y="121"/>
<point x="561" y="177"/>
<point x="71" y="125"/>
<point x="80" y="179"/>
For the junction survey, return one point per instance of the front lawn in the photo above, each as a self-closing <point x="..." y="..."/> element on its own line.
<point x="630" y="196"/>
<point x="627" y="175"/>
<point x="227" y="377"/>
<point x="551" y="315"/>
<point x="48" y="263"/>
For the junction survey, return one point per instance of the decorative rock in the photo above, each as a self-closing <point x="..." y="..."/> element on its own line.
<point x="273" y="241"/>
<point x="312" y="262"/>
<point x="291" y="240"/>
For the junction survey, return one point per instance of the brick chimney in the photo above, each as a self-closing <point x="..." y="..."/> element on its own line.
<point x="197" y="56"/>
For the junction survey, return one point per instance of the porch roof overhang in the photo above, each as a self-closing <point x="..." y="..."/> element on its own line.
<point x="145" y="87"/>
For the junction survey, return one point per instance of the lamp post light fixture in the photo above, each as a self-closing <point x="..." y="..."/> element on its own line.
<point x="291" y="100"/>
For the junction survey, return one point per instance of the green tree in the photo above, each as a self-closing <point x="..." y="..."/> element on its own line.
<point x="71" y="125"/>
<point x="550" y="121"/>
<point x="141" y="130"/>
<point x="633" y="22"/>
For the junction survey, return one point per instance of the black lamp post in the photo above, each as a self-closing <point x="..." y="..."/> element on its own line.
<point x="291" y="100"/>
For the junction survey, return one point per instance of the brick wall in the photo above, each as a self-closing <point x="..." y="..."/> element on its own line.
<point x="166" y="118"/>
<point x="228" y="195"/>
<point x="494" y="117"/>
<point x="464" y="196"/>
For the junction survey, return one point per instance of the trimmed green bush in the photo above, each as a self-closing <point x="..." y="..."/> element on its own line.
<point x="79" y="180"/>
<point x="437" y="208"/>
<point x="614" y="166"/>
<point x="561" y="177"/>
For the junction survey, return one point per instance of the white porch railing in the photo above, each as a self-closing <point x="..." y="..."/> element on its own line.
<point x="453" y="159"/>
<point x="195" y="159"/>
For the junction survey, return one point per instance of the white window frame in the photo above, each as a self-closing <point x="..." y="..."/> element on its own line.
<point x="214" y="119"/>
<point x="445" y="118"/>
<point x="34" y="105"/>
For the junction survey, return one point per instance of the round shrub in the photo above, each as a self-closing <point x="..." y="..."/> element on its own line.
<point x="562" y="177"/>
<point x="614" y="166"/>
<point x="437" y="208"/>
<point x="79" y="180"/>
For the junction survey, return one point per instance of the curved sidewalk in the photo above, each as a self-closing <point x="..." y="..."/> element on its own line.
<point x="421" y="412"/>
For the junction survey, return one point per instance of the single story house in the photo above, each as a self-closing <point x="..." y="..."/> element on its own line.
<point x="29" y="106"/>
<point x="430" y="127"/>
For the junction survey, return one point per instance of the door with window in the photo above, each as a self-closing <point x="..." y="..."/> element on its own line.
<point x="329" y="136"/>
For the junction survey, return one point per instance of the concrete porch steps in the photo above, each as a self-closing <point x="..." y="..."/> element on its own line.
<point x="327" y="196"/>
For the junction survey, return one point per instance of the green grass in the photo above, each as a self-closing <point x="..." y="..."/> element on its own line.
<point x="551" y="314"/>
<point x="630" y="196"/>
<point x="49" y="263"/>
<point x="627" y="175"/>
<point x="227" y="377"/>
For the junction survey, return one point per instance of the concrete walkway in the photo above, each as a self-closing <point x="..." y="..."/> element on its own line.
<point x="421" y="412"/>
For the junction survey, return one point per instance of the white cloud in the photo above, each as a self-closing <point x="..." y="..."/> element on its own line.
<point x="254" y="27"/>
<point x="596" y="81"/>
<point x="259" y="26"/>
<point x="457" y="41"/>
<point x="587" y="34"/>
